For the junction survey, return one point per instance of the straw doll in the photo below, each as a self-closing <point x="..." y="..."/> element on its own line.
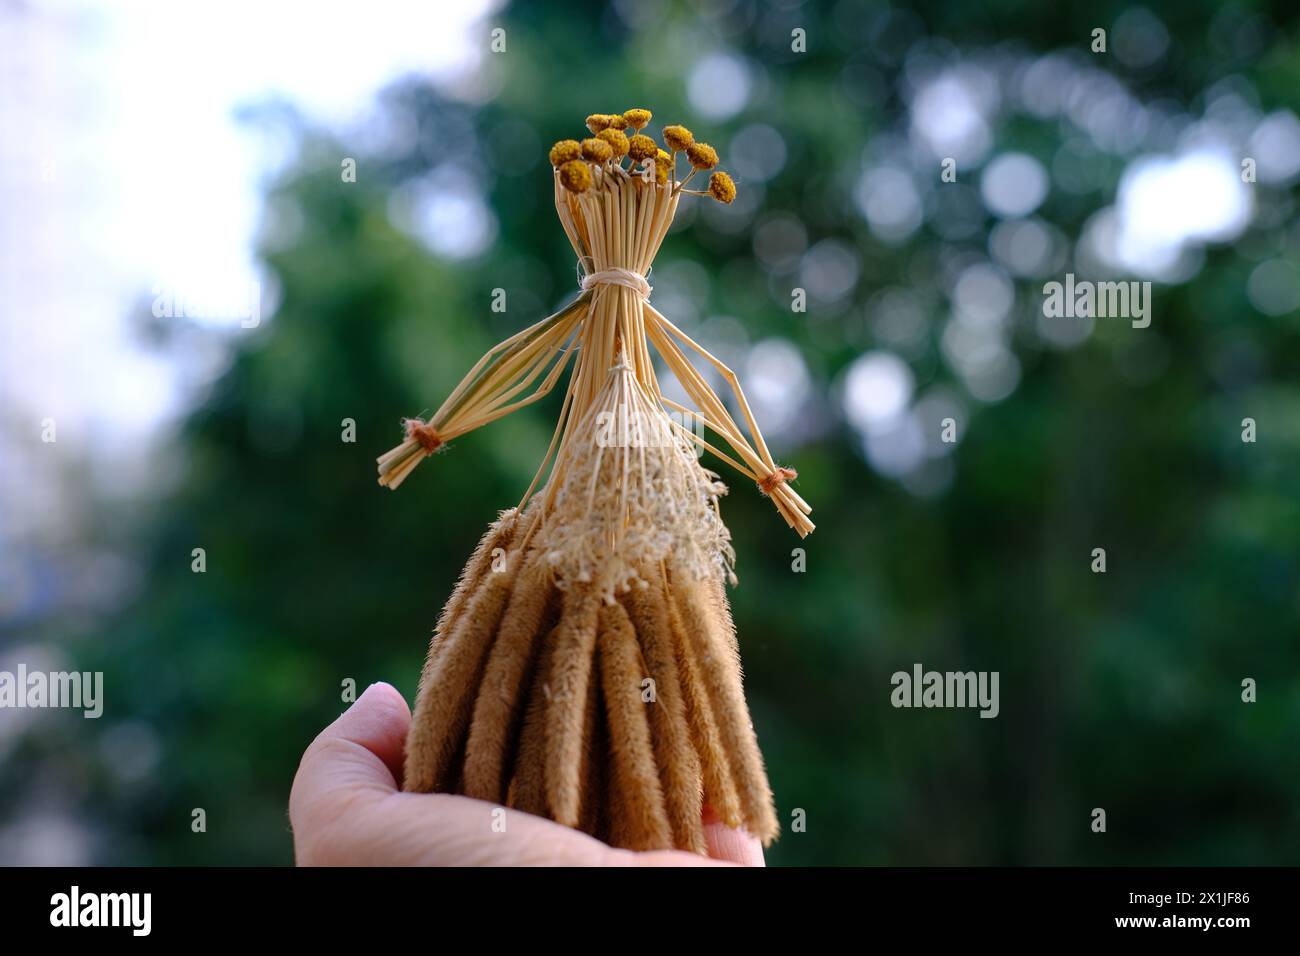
<point x="585" y="667"/>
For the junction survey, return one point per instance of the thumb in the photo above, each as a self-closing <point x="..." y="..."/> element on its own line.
<point x="377" y="722"/>
<point x="362" y="751"/>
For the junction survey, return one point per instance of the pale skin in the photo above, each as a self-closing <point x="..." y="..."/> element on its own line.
<point x="347" y="809"/>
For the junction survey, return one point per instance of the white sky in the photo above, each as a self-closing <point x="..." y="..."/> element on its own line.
<point x="130" y="171"/>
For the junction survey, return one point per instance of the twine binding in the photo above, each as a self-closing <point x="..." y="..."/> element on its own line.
<point x="778" y="477"/>
<point x="616" y="276"/>
<point x="424" y="434"/>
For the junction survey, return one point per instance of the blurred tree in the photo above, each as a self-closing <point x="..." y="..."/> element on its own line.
<point x="1118" y="690"/>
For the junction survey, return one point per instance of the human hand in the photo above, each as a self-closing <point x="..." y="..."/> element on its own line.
<point x="346" y="809"/>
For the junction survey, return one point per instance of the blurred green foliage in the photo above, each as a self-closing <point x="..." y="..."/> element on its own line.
<point x="1119" y="691"/>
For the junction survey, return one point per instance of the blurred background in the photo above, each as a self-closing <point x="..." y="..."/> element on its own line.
<point x="197" y="298"/>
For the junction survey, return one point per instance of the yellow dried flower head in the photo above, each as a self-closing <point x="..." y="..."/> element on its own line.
<point x="616" y="121"/>
<point x="564" y="151"/>
<point x="678" y="138"/>
<point x="575" y="176"/>
<point x="641" y="147"/>
<point x="702" y="155"/>
<point x="637" y="118"/>
<point x="617" y="141"/>
<point x="596" y="150"/>
<point x="597" y="121"/>
<point x="721" y="187"/>
<point x="663" y="164"/>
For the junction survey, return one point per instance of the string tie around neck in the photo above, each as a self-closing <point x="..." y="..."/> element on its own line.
<point x="616" y="276"/>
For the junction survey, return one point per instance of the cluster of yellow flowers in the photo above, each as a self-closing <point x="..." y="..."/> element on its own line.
<point x="610" y="142"/>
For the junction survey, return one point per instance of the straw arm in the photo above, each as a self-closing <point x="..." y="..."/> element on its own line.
<point x="485" y="394"/>
<point x="771" y="479"/>
<point x="511" y="376"/>
<point x="732" y="379"/>
<point x="709" y="402"/>
<point x="507" y="356"/>
<point x="496" y="410"/>
<point x="707" y="446"/>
